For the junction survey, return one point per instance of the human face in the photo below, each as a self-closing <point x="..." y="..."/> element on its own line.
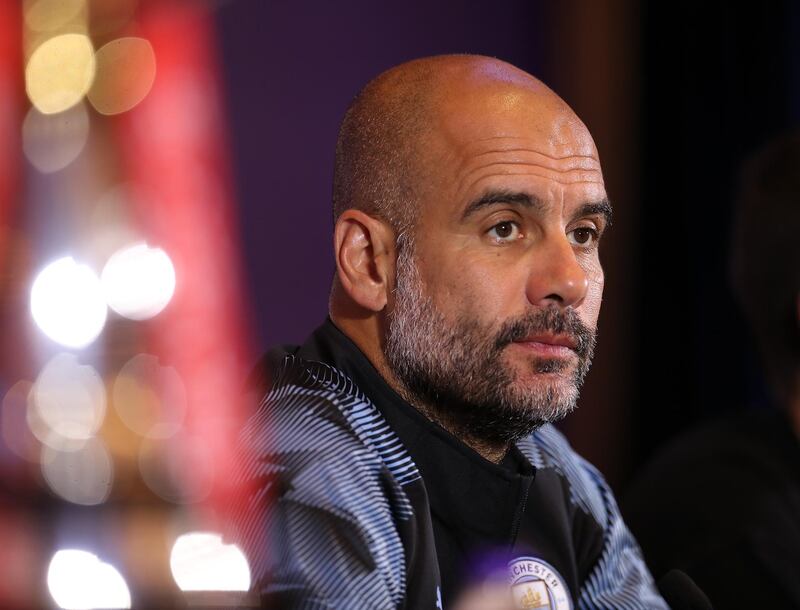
<point x="456" y="370"/>
<point x="497" y="298"/>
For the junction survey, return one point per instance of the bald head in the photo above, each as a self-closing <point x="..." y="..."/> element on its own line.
<point x="395" y="124"/>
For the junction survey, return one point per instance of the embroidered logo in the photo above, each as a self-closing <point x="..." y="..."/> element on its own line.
<point x="536" y="584"/>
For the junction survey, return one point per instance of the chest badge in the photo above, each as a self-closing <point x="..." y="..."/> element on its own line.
<point x="535" y="584"/>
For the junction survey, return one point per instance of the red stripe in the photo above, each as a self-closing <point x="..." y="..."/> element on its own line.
<point x="175" y="153"/>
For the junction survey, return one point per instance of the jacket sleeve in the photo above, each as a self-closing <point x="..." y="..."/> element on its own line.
<point x="619" y="579"/>
<point x="313" y="515"/>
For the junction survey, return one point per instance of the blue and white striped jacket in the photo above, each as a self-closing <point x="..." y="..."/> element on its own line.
<point x="327" y="522"/>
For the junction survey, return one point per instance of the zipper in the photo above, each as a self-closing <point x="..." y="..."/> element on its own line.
<point x="521" y="511"/>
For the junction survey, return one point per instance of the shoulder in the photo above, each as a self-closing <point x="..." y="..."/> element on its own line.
<point x="318" y="435"/>
<point x="306" y="401"/>
<point x="318" y="491"/>
<point x="311" y="407"/>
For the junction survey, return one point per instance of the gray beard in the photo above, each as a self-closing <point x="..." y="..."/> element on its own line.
<point x="454" y="371"/>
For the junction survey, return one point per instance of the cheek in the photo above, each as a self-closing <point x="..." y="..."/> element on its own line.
<point x="466" y="287"/>
<point x="594" y="296"/>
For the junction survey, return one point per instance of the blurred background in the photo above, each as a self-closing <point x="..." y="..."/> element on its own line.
<point x="165" y="178"/>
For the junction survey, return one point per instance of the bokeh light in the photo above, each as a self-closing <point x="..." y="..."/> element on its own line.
<point x="45" y="435"/>
<point x="83" y="476"/>
<point x="201" y="562"/>
<point x="52" y="141"/>
<point x="125" y="72"/>
<point x="79" y="580"/>
<point x="98" y="446"/>
<point x="60" y="72"/>
<point x="67" y="303"/>
<point x="70" y="398"/>
<point x="149" y="398"/>
<point x="50" y="15"/>
<point x="16" y="433"/>
<point x="138" y="281"/>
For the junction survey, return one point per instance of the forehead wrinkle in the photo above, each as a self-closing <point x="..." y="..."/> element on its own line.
<point x="565" y="172"/>
<point x="471" y="185"/>
<point x="581" y="176"/>
<point x="572" y="162"/>
<point x="468" y="165"/>
<point x="517" y="139"/>
<point x="584" y="161"/>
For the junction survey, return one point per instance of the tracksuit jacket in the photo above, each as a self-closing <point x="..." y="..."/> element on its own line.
<point x="354" y="500"/>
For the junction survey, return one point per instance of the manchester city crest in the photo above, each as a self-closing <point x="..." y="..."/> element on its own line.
<point x="535" y="584"/>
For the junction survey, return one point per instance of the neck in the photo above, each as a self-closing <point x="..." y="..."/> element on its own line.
<point x="491" y="452"/>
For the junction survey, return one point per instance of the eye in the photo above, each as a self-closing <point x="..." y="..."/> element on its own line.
<point x="583" y="236"/>
<point x="504" y="232"/>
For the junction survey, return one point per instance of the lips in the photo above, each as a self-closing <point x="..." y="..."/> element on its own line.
<point x="548" y="346"/>
<point x="550" y="340"/>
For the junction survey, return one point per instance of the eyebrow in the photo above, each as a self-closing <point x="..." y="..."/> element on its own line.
<point x="508" y="197"/>
<point x="526" y="200"/>
<point x="601" y="208"/>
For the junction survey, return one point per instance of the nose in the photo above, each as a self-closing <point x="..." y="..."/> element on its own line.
<point x="556" y="275"/>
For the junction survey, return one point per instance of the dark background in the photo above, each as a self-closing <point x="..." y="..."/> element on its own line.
<point x="675" y="95"/>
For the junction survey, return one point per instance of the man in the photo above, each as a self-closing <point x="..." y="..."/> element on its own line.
<point x="406" y="448"/>
<point x="726" y="506"/>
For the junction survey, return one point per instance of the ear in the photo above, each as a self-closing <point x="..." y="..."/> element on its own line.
<point x="364" y="248"/>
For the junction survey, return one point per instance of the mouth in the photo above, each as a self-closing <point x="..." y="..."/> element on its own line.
<point x="552" y="346"/>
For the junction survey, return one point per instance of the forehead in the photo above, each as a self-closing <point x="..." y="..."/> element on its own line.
<point x="505" y="135"/>
<point x="474" y="110"/>
<point x="552" y="174"/>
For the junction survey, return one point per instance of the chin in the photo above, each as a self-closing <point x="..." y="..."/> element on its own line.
<point x="551" y="395"/>
<point x="537" y="371"/>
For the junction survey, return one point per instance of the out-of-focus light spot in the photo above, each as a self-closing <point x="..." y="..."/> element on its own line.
<point x="45" y="435"/>
<point x="177" y="470"/>
<point x="79" y="580"/>
<point x="67" y="303"/>
<point x="150" y="398"/>
<point x="53" y="141"/>
<point x="42" y="432"/>
<point x="126" y="70"/>
<point x="138" y="281"/>
<point x="70" y="398"/>
<point x="83" y="476"/>
<point x="16" y="434"/>
<point x="50" y="15"/>
<point x="201" y="562"/>
<point x="60" y="72"/>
